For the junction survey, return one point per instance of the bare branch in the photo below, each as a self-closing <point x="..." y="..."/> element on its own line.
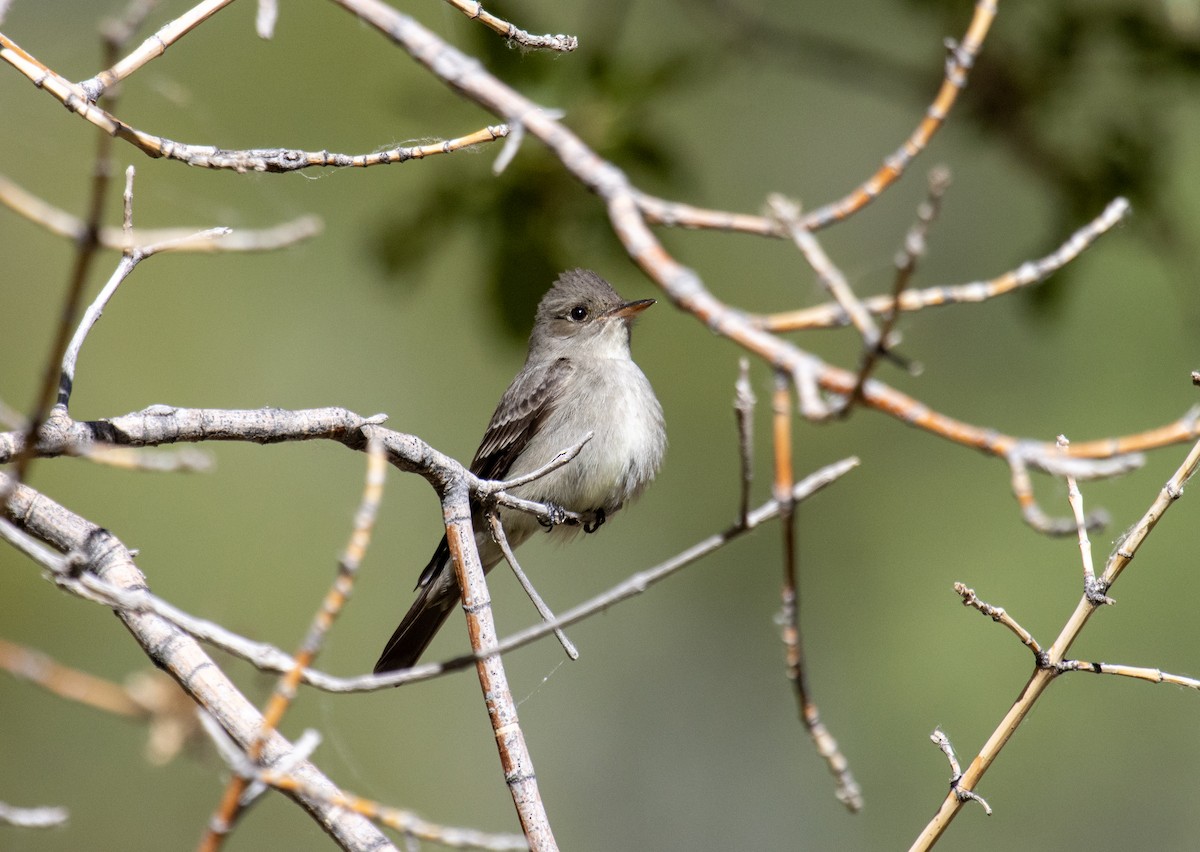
<point x="101" y="554"/>
<point x="960" y="58"/>
<point x="130" y="259"/>
<point x="943" y="742"/>
<point x="831" y="278"/>
<point x="515" y="760"/>
<point x="60" y="222"/>
<point x="1093" y="591"/>
<point x="1025" y="275"/>
<point x="77" y="100"/>
<point x="1136" y="672"/>
<point x="1022" y="488"/>
<point x="845" y="787"/>
<point x="497" y="530"/>
<point x="1056" y="653"/>
<point x="998" y="615"/>
<point x="906" y="266"/>
<point x="152" y="48"/>
<point x="475" y="11"/>
<point x="743" y="406"/>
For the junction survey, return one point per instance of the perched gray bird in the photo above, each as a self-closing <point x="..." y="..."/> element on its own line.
<point x="578" y="377"/>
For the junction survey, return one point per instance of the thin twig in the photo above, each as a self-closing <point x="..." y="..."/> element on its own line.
<point x="486" y="488"/>
<point x="960" y="58"/>
<point x="1000" y="616"/>
<point x="497" y="529"/>
<point x="943" y="742"/>
<point x="129" y="260"/>
<point x="476" y="12"/>
<point x="1033" y="514"/>
<point x="831" y="278"/>
<point x="743" y="407"/>
<point x="59" y="221"/>
<point x="906" y="265"/>
<point x="845" y="787"/>
<point x="152" y="48"/>
<point x="77" y="100"/>
<point x="1029" y="273"/>
<point x="279" y="160"/>
<point x="1136" y="672"/>
<point x="1091" y="589"/>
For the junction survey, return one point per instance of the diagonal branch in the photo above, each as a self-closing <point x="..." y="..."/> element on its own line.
<point x="1055" y="655"/>
<point x="515" y="760"/>
<point x="172" y="650"/>
<point x="152" y="48"/>
<point x="77" y="100"/>
<point x="232" y="804"/>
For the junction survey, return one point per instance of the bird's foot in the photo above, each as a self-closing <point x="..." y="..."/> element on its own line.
<point x="556" y="515"/>
<point x="593" y="520"/>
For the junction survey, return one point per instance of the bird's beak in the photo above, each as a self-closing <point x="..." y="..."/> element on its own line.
<point x="629" y="310"/>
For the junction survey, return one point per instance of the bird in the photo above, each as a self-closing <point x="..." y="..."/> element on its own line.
<point x="578" y="377"/>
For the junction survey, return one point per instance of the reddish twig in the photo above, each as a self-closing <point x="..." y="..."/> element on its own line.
<point x="845" y="787"/>
<point x="960" y="58"/>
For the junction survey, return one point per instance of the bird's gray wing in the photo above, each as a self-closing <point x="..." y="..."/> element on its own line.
<point x="526" y="404"/>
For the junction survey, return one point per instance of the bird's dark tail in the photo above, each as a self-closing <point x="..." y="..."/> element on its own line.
<point x="424" y="618"/>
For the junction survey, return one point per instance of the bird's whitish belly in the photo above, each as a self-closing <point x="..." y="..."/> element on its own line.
<point x="623" y="455"/>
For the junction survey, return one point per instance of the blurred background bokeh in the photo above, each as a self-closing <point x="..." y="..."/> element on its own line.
<point x="676" y="729"/>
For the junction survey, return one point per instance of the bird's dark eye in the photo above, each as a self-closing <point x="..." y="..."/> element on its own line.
<point x="579" y="313"/>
